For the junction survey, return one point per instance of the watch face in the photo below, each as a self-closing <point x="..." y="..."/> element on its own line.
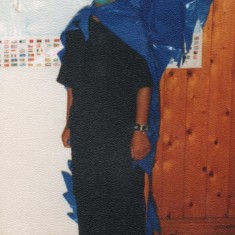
<point x="139" y="127"/>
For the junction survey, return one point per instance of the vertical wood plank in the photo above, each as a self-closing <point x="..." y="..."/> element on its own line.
<point x="220" y="109"/>
<point x="197" y="131"/>
<point x="175" y="85"/>
<point x="157" y="181"/>
<point x="158" y="169"/>
<point x="231" y="202"/>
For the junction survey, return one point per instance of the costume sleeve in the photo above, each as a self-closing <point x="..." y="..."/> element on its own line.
<point x="72" y="61"/>
<point x="142" y="72"/>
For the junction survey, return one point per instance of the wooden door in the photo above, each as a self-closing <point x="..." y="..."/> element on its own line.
<point x="194" y="176"/>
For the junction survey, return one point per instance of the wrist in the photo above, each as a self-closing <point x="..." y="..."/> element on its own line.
<point x="139" y="133"/>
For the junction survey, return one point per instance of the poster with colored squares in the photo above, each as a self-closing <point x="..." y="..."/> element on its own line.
<point x="193" y="59"/>
<point x="30" y="31"/>
<point x="31" y="52"/>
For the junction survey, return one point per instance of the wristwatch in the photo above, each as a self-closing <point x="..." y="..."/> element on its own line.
<point x="140" y="127"/>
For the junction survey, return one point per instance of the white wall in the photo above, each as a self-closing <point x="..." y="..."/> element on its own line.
<point x="36" y="17"/>
<point x="32" y="107"/>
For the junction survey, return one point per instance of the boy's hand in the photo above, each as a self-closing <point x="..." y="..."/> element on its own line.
<point x="66" y="137"/>
<point x="140" y="145"/>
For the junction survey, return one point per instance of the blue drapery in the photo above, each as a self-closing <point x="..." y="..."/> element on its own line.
<point x="159" y="30"/>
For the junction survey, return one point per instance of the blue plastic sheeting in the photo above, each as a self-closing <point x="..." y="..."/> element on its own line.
<point x="159" y="30"/>
<point x="69" y="194"/>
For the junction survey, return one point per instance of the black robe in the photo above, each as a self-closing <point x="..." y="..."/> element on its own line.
<point x="105" y="75"/>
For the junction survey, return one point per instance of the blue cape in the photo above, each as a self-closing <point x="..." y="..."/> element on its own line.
<point x="159" y="30"/>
